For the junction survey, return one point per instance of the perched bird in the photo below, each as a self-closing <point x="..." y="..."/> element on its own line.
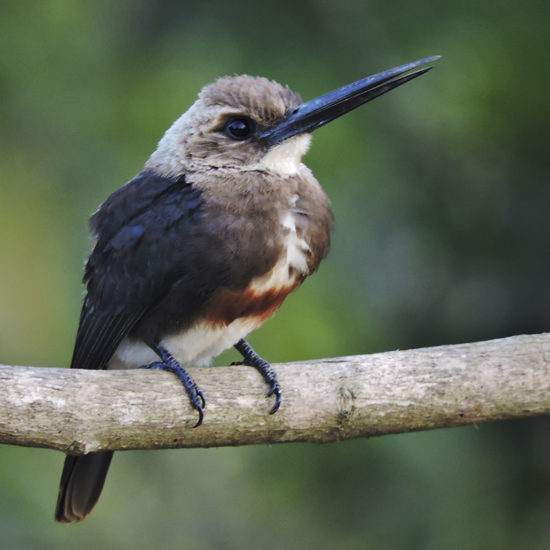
<point x="206" y="242"/>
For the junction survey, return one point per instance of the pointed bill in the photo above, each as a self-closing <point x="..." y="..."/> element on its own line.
<point x="323" y="109"/>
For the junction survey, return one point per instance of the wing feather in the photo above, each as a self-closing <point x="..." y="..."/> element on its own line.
<point x="132" y="266"/>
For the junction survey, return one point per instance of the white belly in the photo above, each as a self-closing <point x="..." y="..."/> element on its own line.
<point x="196" y="346"/>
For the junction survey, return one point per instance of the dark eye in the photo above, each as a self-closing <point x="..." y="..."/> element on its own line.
<point x="239" y="128"/>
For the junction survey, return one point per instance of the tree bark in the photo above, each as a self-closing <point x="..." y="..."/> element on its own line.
<point x="78" y="411"/>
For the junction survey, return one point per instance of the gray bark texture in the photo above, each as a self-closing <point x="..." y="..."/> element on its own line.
<point x="78" y="411"/>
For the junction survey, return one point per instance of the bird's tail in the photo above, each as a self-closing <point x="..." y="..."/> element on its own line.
<point x="81" y="484"/>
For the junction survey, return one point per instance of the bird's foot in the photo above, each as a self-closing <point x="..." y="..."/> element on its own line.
<point x="252" y="359"/>
<point x="169" y="364"/>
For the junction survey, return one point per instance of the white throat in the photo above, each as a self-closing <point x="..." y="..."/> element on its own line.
<point x="286" y="158"/>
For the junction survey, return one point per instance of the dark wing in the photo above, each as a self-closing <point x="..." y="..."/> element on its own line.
<point x="140" y="234"/>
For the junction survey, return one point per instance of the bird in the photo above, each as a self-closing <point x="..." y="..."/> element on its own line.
<point x="206" y="241"/>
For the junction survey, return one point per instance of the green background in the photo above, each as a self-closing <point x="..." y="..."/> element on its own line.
<point x="441" y="196"/>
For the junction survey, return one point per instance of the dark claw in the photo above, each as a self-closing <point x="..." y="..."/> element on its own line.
<point x="277" y="404"/>
<point x="201" y="395"/>
<point x="168" y="363"/>
<point x="198" y="408"/>
<point x="252" y="359"/>
<point x="196" y="398"/>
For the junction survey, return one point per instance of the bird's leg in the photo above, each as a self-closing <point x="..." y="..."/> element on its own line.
<point x="252" y="359"/>
<point x="171" y="365"/>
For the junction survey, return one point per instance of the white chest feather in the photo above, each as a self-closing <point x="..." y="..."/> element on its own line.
<point x="293" y="259"/>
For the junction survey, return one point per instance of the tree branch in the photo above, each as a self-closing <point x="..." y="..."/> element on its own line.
<point x="79" y="411"/>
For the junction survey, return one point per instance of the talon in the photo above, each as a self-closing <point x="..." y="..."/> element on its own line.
<point x="252" y="359"/>
<point x="169" y="364"/>
<point x="274" y="388"/>
<point x="201" y="395"/>
<point x="201" y="416"/>
<point x="277" y="403"/>
<point x="198" y="403"/>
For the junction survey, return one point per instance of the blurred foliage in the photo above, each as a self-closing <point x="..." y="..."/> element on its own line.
<point x="441" y="196"/>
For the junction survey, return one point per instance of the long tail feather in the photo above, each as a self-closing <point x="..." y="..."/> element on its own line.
<point x="81" y="484"/>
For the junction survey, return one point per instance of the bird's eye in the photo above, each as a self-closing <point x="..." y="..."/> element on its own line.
<point x="239" y="128"/>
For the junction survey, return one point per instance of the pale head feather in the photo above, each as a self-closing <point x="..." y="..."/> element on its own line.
<point x="196" y="140"/>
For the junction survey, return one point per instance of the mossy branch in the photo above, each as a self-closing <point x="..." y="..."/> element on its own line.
<point x="326" y="400"/>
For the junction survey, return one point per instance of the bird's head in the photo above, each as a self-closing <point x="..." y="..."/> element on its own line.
<point x="252" y="123"/>
<point x="222" y="128"/>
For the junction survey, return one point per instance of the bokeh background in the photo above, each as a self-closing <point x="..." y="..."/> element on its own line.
<point x="441" y="195"/>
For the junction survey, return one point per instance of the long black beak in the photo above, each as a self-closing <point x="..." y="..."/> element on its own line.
<point x="319" y="111"/>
